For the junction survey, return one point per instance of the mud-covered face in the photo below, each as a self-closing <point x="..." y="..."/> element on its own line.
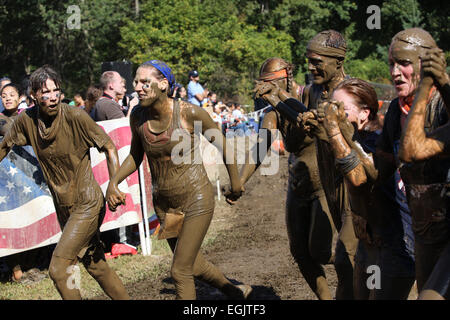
<point x="48" y="98"/>
<point x="323" y="68"/>
<point x="404" y="66"/>
<point x="148" y="87"/>
<point x="10" y="98"/>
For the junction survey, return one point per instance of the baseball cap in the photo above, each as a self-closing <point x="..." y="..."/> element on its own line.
<point x="193" y="73"/>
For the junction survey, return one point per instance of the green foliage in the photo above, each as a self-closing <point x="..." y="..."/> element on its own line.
<point x="192" y="34"/>
<point x="35" y="32"/>
<point x="226" y="40"/>
<point x="369" y="69"/>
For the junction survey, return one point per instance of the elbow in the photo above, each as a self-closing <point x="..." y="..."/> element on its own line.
<point x="408" y="156"/>
<point x="357" y="182"/>
<point x="404" y="156"/>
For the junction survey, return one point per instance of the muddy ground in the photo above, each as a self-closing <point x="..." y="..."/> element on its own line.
<point x="250" y="245"/>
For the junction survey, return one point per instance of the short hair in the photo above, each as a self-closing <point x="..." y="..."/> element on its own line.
<point x="93" y="93"/>
<point x="106" y="78"/>
<point x="41" y="75"/>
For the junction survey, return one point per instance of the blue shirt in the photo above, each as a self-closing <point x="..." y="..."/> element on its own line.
<point x="193" y="89"/>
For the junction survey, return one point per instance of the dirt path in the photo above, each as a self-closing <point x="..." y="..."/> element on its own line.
<point x="248" y="242"/>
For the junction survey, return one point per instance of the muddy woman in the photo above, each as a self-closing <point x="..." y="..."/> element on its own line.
<point x="61" y="137"/>
<point x="424" y="148"/>
<point x="353" y="130"/>
<point x="178" y="186"/>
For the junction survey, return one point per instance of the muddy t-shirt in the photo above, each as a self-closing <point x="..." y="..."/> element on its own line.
<point x="64" y="156"/>
<point x="179" y="183"/>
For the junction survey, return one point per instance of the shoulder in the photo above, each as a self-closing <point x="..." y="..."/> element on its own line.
<point x="393" y="110"/>
<point x="136" y="114"/>
<point x="189" y="110"/>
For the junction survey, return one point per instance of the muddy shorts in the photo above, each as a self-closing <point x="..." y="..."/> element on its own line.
<point x="80" y="227"/>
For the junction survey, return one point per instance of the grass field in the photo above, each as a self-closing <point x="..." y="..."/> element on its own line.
<point x="131" y="269"/>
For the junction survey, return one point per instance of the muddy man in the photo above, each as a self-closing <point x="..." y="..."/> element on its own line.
<point x="424" y="148"/>
<point x="309" y="222"/>
<point x="61" y="137"/>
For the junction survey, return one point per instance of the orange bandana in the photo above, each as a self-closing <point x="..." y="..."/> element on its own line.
<point x="269" y="76"/>
<point x="406" y="103"/>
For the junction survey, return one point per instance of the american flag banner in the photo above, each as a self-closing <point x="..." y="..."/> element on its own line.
<point x="27" y="214"/>
<point x="131" y="213"/>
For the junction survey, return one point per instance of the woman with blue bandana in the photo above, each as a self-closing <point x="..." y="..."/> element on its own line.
<point x="168" y="132"/>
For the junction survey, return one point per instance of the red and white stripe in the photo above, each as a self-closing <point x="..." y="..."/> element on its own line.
<point x="35" y="224"/>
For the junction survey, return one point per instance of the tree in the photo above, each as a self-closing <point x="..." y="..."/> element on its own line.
<point x="192" y="34"/>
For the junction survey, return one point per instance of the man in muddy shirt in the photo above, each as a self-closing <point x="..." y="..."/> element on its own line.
<point x="424" y="150"/>
<point x="61" y="137"/>
<point x="309" y="222"/>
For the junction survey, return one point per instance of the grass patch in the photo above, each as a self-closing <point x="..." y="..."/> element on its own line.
<point x="130" y="269"/>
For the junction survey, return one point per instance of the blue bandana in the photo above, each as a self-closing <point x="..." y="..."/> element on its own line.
<point x="164" y="69"/>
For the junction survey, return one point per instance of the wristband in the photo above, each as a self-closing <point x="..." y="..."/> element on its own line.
<point x="348" y="163"/>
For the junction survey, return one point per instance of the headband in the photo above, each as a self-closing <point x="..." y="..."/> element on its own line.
<point x="326" y="51"/>
<point x="164" y="69"/>
<point x="269" y="76"/>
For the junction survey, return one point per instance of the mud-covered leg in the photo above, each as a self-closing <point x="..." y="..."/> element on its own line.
<point x="298" y="224"/>
<point x="96" y="265"/>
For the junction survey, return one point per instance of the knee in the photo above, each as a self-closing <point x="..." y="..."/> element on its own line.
<point x="97" y="269"/>
<point x="179" y="273"/>
<point x="57" y="271"/>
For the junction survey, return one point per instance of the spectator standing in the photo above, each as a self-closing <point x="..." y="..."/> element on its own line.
<point x="106" y="107"/>
<point x="217" y="118"/>
<point x="212" y="99"/>
<point x="3" y="81"/>
<point x="181" y="94"/>
<point x="196" y="94"/>
<point x="93" y="93"/>
<point x="78" y="101"/>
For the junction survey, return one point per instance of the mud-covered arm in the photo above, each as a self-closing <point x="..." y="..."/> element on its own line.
<point x="289" y="107"/>
<point x="112" y="158"/>
<point x="434" y="65"/>
<point x="347" y="159"/>
<point x="255" y="157"/>
<point x="415" y="145"/>
<point x="131" y="163"/>
<point x="15" y="135"/>
<point x="210" y="131"/>
<point x="5" y="124"/>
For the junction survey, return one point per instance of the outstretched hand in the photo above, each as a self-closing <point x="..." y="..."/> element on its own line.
<point x="114" y="197"/>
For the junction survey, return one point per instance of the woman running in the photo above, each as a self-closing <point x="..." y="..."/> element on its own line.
<point x="179" y="180"/>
